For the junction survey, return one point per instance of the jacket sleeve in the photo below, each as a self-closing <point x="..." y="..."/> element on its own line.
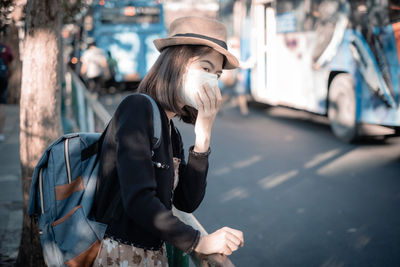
<point x="192" y="180"/>
<point x="134" y="131"/>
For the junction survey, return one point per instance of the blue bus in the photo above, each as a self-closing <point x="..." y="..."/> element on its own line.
<point x="335" y="58"/>
<point x="125" y="30"/>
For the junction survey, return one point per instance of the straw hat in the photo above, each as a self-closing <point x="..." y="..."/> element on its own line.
<point x="198" y="31"/>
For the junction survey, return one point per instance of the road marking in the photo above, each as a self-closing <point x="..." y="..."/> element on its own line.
<point x="318" y="159"/>
<point x="275" y="180"/>
<point x="235" y="193"/>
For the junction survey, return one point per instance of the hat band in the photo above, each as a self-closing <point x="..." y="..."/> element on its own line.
<point x="218" y="42"/>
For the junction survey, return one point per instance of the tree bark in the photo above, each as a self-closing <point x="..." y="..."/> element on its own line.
<point x="40" y="119"/>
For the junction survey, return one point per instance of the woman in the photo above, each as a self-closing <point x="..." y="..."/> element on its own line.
<point x="191" y="59"/>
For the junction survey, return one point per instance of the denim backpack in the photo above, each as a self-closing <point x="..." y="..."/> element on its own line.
<point x="62" y="193"/>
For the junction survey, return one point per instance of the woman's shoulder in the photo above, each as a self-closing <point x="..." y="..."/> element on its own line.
<point x="136" y="98"/>
<point x="134" y="107"/>
<point x="135" y="101"/>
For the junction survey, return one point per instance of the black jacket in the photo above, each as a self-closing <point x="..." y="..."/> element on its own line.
<point x="147" y="195"/>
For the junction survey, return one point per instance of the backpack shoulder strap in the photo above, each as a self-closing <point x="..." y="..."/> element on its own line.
<point x="156" y="122"/>
<point x="95" y="147"/>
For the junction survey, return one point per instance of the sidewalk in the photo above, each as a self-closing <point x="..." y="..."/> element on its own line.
<point x="10" y="189"/>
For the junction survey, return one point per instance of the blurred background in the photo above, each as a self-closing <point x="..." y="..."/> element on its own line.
<point x="305" y="150"/>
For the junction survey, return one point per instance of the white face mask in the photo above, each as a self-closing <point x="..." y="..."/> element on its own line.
<point x="193" y="80"/>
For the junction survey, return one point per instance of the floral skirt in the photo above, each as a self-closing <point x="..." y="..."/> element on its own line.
<point x="114" y="253"/>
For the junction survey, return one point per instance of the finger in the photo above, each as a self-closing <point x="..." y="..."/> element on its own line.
<point x="199" y="102"/>
<point x="234" y="239"/>
<point x="205" y="97"/>
<point x="232" y="247"/>
<point x="227" y="251"/>
<point x="237" y="233"/>
<point x="210" y="93"/>
<point x="218" y="96"/>
<point x="233" y="231"/>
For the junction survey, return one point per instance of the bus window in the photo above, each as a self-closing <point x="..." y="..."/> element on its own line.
<point x="394" y="11"/>
<point x="325" y="11"/>
<point x="369" y="13"/>
<point x="378" y="13"/>
<point x="130" y="15"/>
<point x="290" y="16"/>
<point x="325" y="14"/>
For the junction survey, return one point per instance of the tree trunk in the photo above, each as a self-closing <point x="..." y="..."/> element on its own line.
<point x="40" y="119"/>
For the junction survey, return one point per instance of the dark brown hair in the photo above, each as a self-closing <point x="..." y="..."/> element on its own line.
<point x="166" y="75"/>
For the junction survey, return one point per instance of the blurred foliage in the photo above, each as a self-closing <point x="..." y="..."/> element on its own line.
<point x="71" y="9"/>
<point x="6" y="6"/>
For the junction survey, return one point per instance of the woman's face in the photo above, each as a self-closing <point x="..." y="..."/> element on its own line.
<point x="210" y="62"/>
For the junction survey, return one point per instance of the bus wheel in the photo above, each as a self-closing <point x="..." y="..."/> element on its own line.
<point x="342" y="108"/>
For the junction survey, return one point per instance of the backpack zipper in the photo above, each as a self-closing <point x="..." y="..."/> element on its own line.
<point x="66" y="155"/>
<point x="41" y="190"/>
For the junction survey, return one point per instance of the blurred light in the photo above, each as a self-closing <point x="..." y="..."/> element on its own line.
<point x="130" y="11"/>
<point x="74" y="60"/>
<point x="362" y="8"/>
<point x="65" y="34"/>
<point x="102" y="2"/>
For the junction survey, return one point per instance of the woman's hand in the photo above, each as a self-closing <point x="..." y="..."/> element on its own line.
<point x="208" y="104"/>
<point x="223" y="241"/>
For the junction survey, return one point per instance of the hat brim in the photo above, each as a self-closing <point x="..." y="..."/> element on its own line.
<point x="231" y="60"/>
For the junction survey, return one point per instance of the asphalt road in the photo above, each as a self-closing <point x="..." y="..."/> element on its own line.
<point x="301" y="197"/>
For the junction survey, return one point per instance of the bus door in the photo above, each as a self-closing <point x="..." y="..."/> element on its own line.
<point x="294" y="72"/>
<point x="262" y="15"/>
<point x="293" y="41"/>
<point x="283" y="72"/>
